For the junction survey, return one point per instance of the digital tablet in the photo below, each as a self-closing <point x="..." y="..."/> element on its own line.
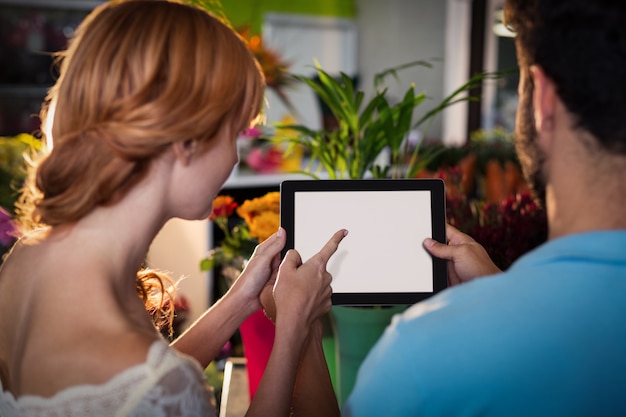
<point x="382" y="261"/>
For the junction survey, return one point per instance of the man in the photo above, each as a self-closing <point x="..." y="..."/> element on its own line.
<point x="548" y="336"/>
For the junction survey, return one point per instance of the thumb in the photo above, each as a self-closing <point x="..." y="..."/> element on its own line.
<point x="292" y="260"/>
<point x="438" y="249"/>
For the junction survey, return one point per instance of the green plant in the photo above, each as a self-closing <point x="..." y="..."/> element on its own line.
<point x="366" y="128"/>
<point x="13" y="166"/>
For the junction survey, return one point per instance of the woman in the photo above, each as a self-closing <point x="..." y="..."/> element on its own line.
<point x="143" y="121"/>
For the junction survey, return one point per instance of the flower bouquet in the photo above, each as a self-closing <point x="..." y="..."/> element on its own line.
<point x="256" y="220"/>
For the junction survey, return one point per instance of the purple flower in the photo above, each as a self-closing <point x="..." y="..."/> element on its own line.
<point x="8" y="228"/>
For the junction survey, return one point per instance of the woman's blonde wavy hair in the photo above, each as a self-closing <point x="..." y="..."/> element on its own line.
<point x="137" y="76"/>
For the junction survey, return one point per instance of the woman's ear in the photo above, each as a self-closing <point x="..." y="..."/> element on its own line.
<point x="184" y="150"/>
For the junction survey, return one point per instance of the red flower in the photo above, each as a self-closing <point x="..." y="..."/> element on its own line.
<point x="223" y="206"/>
<point x="507" y="229"/>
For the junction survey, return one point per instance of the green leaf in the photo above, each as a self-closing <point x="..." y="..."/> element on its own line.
<point x="207" y="264"/>
<point x="372" y="106"/>
<point x="380" y="77"/>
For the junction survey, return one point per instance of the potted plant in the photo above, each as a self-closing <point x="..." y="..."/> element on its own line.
<point x="367" y="130"/>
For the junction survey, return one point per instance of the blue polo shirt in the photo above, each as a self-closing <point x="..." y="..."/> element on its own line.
<point x="545" y="338"/>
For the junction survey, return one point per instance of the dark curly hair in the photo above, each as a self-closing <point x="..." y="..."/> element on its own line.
<point x="581" y="46"/>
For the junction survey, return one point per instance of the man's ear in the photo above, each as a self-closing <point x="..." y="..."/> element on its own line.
<point x="544" y="100"/>
<point x="184" y="150"/>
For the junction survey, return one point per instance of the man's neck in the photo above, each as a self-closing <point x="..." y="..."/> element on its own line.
<point x="588" y="198"/>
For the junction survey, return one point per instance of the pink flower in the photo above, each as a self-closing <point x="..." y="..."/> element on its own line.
<point x="264" y="160"/>
<point x="252" y="133"/>
<point x="8" y="228"/>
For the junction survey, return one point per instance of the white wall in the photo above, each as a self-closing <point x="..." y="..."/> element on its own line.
<point x="177" y="250"/>
<point x="388" y="33"/>
<point x="303" y="41"/>
<point x="393" y="32"/>
<point x="456" y="69"/>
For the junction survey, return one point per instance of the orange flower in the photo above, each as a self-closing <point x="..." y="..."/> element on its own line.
<point x="264" y="225"/>
<point x="262" y="215"/>
<point x="223" y="206"/>
<point x="261" y="219"/>
<point x="274" y="67"/>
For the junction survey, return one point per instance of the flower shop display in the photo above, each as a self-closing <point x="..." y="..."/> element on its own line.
<point x="485" y="190"/>
<point x="506" y="229"/>
<point x="256" y="220"/>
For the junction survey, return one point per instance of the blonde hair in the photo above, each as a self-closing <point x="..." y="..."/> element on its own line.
<point x="137" y="76"/>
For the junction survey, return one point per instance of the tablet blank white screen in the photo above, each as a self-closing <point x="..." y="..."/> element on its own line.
<point x="383" y="251"/>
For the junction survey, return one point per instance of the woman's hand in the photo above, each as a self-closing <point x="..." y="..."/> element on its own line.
<point x="301" y="292"/>
<point x="467" y="259"/>
<point x="260" y="270"/>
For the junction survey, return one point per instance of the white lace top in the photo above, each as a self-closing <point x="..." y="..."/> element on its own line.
<point x="168" y="384"/>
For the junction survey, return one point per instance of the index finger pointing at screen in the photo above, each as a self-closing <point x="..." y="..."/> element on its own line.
<point x="331" y="246"/>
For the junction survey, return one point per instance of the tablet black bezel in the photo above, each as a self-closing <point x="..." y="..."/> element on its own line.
<point x="436" y="187"/>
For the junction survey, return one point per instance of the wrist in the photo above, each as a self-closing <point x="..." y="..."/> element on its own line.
<point x="245" y="304"/>
<point x="294" y="332"/>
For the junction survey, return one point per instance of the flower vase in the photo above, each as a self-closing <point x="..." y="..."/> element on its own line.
<point x="356" y="330"/>
<point x="257" y="336"/>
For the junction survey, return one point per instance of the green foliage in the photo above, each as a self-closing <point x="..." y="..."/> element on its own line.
<point x="495" y="144"/>
<point x="237" y="243"/>
<point x="13" y="166"/>
<point x="365" y="129"/>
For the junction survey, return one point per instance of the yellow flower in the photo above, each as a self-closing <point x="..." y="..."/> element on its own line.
<point x="264" y="225"/>
<point x="262" y="215"/>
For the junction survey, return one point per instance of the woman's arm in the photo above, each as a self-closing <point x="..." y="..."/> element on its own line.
<point x="207" y="335"/>
<point x="302" y="295"/>
<point x="313" y="393"/>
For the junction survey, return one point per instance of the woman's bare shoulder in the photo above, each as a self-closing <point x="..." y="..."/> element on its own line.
<point x="59" y="328"/>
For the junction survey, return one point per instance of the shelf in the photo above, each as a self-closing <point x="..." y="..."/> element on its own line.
<point x="253" y="180"/>
<point x="24" y="91"/>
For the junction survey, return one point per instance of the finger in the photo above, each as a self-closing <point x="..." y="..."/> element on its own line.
<point x="331" y="246"/>
<point x="453" y="277"/>
<point x="276" y="261"/>
<point x="455" y="236"/>
<point x="439" y="249"/>
<point x="272" y="245"/>
<point x="292" y="259"/>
